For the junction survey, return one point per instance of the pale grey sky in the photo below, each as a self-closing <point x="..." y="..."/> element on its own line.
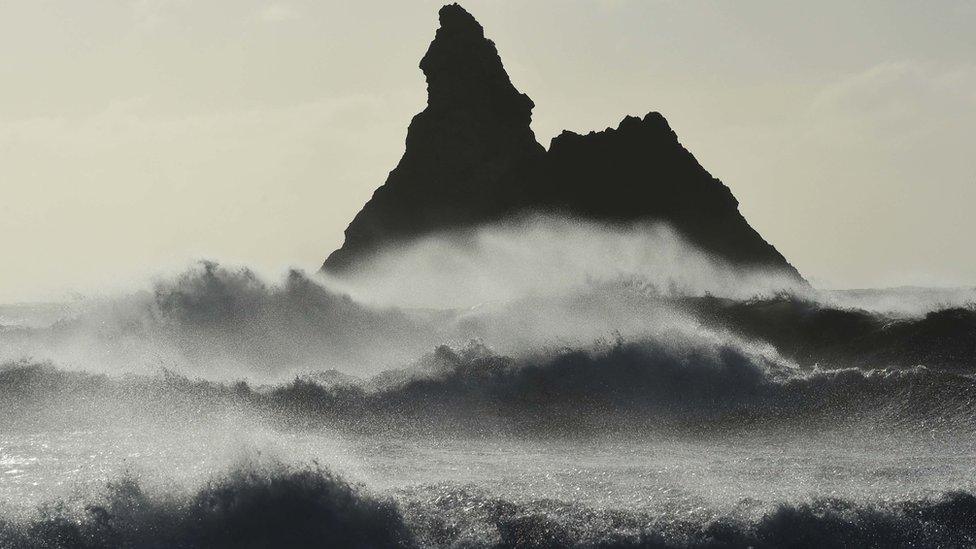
<point x="139" y="135"/>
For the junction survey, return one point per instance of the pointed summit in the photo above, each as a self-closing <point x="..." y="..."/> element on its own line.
<point x="453" y="17"/>
<point x="474" y="130"/>
<point x="471" y="158"/>
<point x="463" y="70"/>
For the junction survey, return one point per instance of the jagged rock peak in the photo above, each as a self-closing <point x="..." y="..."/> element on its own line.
<point x="455" y="19"/>
<point x="464" y="70"/>
<point x="474" y="131"/>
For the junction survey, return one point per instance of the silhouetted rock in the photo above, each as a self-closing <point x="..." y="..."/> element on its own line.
<point x="639" y="171"/>
<point x="474" y="130"/>
<point x="471" y="158"/>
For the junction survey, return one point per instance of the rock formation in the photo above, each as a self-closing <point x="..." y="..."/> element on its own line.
<point x="473" y="132"/>
<point x="471" y="158"/>
<point x="639" y="171"/>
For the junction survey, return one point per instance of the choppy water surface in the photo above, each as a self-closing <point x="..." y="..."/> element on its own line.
<point x="220" y="412"/>
<point x="465" y="480"/>
<point x="612" y="474"/>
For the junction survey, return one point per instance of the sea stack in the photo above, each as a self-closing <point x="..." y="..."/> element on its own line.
<point x="471" y="158"/>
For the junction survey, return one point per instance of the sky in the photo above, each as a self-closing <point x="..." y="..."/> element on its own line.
<point x="138" y="136"/>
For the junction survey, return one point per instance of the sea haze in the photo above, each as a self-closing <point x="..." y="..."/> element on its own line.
<point x="608" y="406"/>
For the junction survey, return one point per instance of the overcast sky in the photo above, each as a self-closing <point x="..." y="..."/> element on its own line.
<point x="137" y="136"/>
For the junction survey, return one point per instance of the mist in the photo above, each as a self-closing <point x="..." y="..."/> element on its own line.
<point x="389" y="401"/>
<point x="547" y="256"/>
<point x="517" y="287"/>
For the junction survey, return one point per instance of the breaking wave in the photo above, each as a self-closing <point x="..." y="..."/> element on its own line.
<point x="635" y="387"/>
<point x="583" y="355"/>
<point x="289" y="506"/>
<point x="459" y="516"/>
<point x="223" y="323"/>
<point x="247" y="507"/>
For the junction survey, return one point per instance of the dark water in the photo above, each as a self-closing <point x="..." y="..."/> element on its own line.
<point x="232" y="486"/>
<point x="211" y="415"/>
<point x="162" y="461"/>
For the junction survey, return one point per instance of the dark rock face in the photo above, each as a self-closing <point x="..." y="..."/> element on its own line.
<point x="639" y="171"/>
<point x="471" y="158"/>
<point x="473" y="132"/>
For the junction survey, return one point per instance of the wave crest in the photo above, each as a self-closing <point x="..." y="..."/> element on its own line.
<point x="307" y="506"/>
<point x="670" y="385"/>
<point x="248" y="507"/>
